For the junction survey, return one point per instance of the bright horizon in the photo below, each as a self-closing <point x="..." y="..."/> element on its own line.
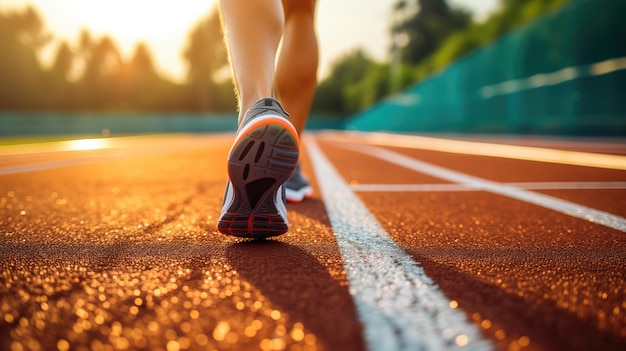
<point x="165" y="27"/>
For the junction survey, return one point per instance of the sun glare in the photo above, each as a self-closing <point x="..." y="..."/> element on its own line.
<point x="84" y="144"/>
<point x="126" y="20"/>
<point x="130" y="21"/>
<point x="163" y="25"/>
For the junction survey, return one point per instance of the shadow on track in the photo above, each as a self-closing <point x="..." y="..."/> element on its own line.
<point x="548" y="326"/>
<point x="302" y="288"/>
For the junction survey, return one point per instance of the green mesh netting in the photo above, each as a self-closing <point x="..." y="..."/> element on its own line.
<point x="563" y="74"/>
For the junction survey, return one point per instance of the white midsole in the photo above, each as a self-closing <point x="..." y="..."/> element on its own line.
<point x="298" y="195"/>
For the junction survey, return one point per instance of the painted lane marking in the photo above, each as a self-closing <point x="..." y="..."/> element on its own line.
<point x="125" y="142"/>
<point x="569" y="185"/>
<point x="569" y="208"/>
<point x="107" y="150"/>
<point x="461" y="187"/>
<point x="409" y="187"/>
<point x="40" y="166"/>
<point x="114" y="154"/>
<point x="553" y="78"/>
<point x="528" y="153"/>
<point x="400" y="307"/>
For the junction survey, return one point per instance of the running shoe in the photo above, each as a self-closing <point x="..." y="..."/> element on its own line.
<point x="297" y="188"/>
<point x="263" y="157"/>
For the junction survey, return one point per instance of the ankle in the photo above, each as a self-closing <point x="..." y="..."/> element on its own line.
<point x="247" y="104"/>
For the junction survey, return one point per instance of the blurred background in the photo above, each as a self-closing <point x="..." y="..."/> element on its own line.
<point x="525" y="67"/>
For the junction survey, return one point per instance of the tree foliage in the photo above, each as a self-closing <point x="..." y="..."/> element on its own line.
<point x="426" y="36"/>
<point x="333" y="94"/>
<point x="21" y="35"/>
<point x="421" y="26"/>
<point x="510" y="15"/>
<point x="91" y="74"/>
<point x="206" y="58"/>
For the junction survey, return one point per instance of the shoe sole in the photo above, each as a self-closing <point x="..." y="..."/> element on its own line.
<point x="264" y="156"/>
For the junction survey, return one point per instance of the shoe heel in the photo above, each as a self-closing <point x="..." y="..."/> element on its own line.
<point x="259" y="163"/>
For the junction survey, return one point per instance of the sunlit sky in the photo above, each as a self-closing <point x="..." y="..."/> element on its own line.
<point x="342" y="25"/>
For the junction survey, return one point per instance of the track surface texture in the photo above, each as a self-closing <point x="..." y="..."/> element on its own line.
<point x="409" y="243"/>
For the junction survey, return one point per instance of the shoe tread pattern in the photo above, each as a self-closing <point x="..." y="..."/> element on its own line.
<point x="260" y="162"/>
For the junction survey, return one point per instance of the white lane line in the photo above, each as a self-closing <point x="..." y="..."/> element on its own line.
<point x="409" y="187"/>
<point x="40" y="166"/>
<point x="529" y="153"/>
<point x="553" y="78"/>
<point x="569" y="185"/>
<point x="400" y="307"/>
<point x="112" y="154"/>
<point x="461" y="187"/>
<point x="569" y="208"/>
<point x="125" y="142"/>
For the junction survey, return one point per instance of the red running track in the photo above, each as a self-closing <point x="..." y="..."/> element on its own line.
<point x="412" y="242"/>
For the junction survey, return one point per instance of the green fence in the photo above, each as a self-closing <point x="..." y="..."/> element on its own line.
<point x="564" y="74"/>
<point x="14" y="124"/>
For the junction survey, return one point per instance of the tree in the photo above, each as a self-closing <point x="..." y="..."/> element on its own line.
<point x="421" y="26"/>
<point x="21" y="36"/>
<point x="333" y="93"/>
<point x="374" y="85"/>
<point x="91" y="73"/>
<point x="206" y="58"/>
<point x="63" y="62"/>
<point x="102" y="69"/>
<point x="139" y="81"/>
<point x="58" y="84"/>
